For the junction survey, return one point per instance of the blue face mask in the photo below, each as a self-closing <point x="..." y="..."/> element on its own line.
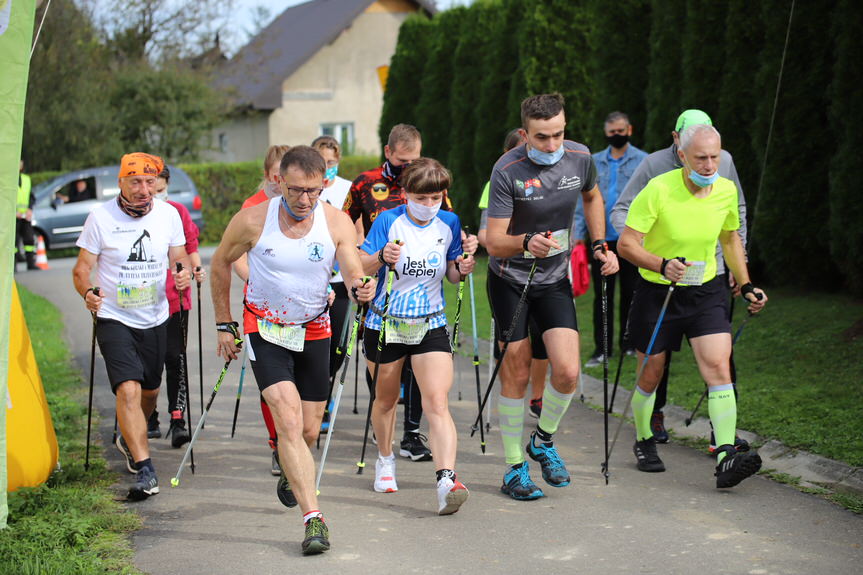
<point x="545" y="158"/>
<point x="703" y="181"/>
<point x="292" y="214"/>
<point x="331" y="173"/>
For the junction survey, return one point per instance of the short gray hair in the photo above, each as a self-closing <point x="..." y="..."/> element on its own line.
<point x="688" y="134"/>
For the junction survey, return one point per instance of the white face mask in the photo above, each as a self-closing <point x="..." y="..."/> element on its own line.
<point x="421" y="212"/>
<point x="162" y="195"/>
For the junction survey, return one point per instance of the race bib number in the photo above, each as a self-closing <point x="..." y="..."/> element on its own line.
<point x="292" y="337"/>
<point x="406" y="330"/>
<point x="694" y="275"/>
<point x="561" y="237"/>
<point x="134" y="297"/>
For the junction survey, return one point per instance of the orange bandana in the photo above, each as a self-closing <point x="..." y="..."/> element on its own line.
<point x="141" y="164"/>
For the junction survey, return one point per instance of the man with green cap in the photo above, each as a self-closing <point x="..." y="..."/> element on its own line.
<point x="656" y="164"/>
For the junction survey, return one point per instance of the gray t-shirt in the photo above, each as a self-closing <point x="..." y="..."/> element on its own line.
<point x="666" y="160"/>
<point x="538" y="199"/>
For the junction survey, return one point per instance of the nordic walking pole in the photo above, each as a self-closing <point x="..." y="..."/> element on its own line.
<point x="175" y="481"/>
<point x="506" y="338"/>
<point x="349" y="347"/>
<point x="200" y="347"/>
<point x="356" y="381"/>
<point x="619" y="366"/>
<point x="96" y="291"/>
<point x="458" y="315"/>
<point x="183" y="387"/>
<point x="239" y="390"/>
<point x="605" y="373"/>
<point x="476" y="362"/>
<point x="390" y="275"/>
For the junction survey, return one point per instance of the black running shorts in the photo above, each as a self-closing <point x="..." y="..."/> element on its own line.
<point x="436" y="339"/>
<point x="550" y="306"/>
<point x="692" y="311"/>
<point x="308" y="370"/>
<point x="132" y="354"/>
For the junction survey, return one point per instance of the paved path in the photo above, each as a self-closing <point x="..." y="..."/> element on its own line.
<point x="226" y="518"/>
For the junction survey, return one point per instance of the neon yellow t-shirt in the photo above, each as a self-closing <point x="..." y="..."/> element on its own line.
<point x="483" y="199"/>
<point x="675" y="223"/>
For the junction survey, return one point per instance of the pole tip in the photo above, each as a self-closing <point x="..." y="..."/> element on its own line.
<point x="175" y="482"/>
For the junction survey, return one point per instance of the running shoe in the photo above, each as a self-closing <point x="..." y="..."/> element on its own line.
<point x="127" y="455"/>
<point x="553" y="469"/>
<point x="385" y="475"/>
<point x="535" y="408"/>
<point x="657" y="426"/>
<point x="153" y="429"/>
<point x="146" y="484"/>
<point x="284" y="492"/>
<point x="740" y="444"/>
<point x="736" y="466"/>
<point x="648" y="458"/>
<point x="595" y="360"/>
<point x="413" y="448"/>
<point x="317" y="537"/>
<point x="451" y="494"/>
<point x="275" y="468"/>
<point x="179" y="434"/>
<point x="518" y="485"/>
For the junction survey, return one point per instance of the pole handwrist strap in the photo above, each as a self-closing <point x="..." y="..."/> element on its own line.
<point x="230" y="327"/>
<point x="599" y="245"/>
<point x="93" y="289"/>
<point x="662" y="267"/>
<point x="748" y="288"/>
<point x="381" y="257"/>
<point x="526" y="241"/>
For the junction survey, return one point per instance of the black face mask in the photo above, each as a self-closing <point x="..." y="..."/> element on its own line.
<point x="617" y="140"/>
<point x="394" y="171"/>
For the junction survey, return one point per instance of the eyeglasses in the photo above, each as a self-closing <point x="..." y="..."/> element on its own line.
<point x="313" y="193"/>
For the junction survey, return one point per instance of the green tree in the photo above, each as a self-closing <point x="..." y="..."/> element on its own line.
<point x="664" y="74"/>
<point x="788" y="237"/>
<point x="620" y="34"/>
<point x="406" y="70"/>
<point x="68" y="122"/>
<point x="701" y="36"/>
<point x="846" y="209"/>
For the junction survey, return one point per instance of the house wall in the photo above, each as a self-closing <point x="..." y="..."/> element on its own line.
<point x="245" y="139"/>
<point x="340" y="83"/>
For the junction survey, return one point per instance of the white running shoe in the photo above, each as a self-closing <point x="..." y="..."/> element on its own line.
<point x="450" y="496"/>
<point x="385" y="474"/>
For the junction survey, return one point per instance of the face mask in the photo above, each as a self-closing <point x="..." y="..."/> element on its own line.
<point x="134" y="210"/>
<point x="292" y="214"/>
<point x="162" y="195"/>
<point x="393" y="172"/>
<point x="331" y="173"/>
<point x="545" y="158"/>
<point x="617" y="140"/>
<point x="702" y="181"/>
<point x="421" y="212"/>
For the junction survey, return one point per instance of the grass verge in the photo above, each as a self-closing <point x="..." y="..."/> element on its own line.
<point x="70" y="524"/>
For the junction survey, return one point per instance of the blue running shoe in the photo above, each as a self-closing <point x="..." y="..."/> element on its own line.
<point x="553" y="469"/>
<point x="518" y="485"/>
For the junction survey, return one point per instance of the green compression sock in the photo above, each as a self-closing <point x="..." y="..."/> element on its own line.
<point x="642" y="409"/>
<point x="554" y="405"/>
<point x="511" y="413"/>
<point x="722" y="407"/>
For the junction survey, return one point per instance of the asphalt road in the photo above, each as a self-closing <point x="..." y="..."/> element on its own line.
<point x="226" y="518"/>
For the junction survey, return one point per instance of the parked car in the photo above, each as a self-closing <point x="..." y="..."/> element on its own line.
<point x="63" y="204"/>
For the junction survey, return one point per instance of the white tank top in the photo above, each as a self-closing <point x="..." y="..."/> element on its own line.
<point x="288" y="277"/>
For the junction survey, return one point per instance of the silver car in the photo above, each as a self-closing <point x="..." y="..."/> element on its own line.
<point x="63" y="204"/>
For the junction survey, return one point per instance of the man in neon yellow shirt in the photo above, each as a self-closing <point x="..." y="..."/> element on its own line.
<point x="24" y="218"/>
<point x="671" y="233"/>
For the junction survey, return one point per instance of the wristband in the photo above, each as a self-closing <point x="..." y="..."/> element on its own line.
<point x="599" y="245"/>
<point x="230" y="327"/>
<point x="526" y="241"/>
<point x="662" y="267"/>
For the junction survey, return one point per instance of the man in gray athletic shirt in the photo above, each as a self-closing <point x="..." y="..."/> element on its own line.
<point x="534" y="191"/>
<point x="654" y="165"/>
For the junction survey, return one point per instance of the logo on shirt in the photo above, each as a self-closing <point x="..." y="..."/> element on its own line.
<point x="142" y="249"/>
<point x="529" y="186"/>
<point x="269" y="253"/>
<point x="421" y="268"/>
<point x="316" y="251"/>
<point x="380" y="192"/>
<point x="569" y="183"/>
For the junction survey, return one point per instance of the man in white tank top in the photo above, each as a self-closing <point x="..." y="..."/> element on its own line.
<point x="291" y="243"/>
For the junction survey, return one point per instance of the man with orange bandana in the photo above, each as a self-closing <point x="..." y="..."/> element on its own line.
<point x="132" y="241"/>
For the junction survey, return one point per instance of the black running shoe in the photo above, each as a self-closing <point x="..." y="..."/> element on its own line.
<point x="179" y="434"/>
<point x="275" y="468"/>
<point x="413" y="448"/>
<point x="127" y="455"/>
<point x="648" y="458"/>
<point x="657" y="426"/>
<point x="317" y="537"/>
<point x="146" y="484"/>
<point x="535" y="408"/>
<point x="740" y="444"/>
<point x="285" y="493"/>
<point x="736" y="466"/>
<point x="153" y="429"/>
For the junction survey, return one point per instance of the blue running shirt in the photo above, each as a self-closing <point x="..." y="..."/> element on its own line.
<point x="421" y="268"/>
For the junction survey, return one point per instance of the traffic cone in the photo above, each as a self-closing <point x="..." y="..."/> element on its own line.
<point x="41" y="254"/>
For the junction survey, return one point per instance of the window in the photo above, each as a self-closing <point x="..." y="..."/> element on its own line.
<point x="343" y="132"/>
<point x="223" y="142"/>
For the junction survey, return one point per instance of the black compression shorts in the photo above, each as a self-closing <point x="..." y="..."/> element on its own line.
<point x="692" y="311"/>
<point x="308" y="370"/>
<point x="550" y="306"/>
<point x="436" y="339"/>
<point x="132" y="354"/>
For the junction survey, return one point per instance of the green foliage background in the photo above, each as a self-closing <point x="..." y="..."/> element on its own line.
<point x="460" y="77"/>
